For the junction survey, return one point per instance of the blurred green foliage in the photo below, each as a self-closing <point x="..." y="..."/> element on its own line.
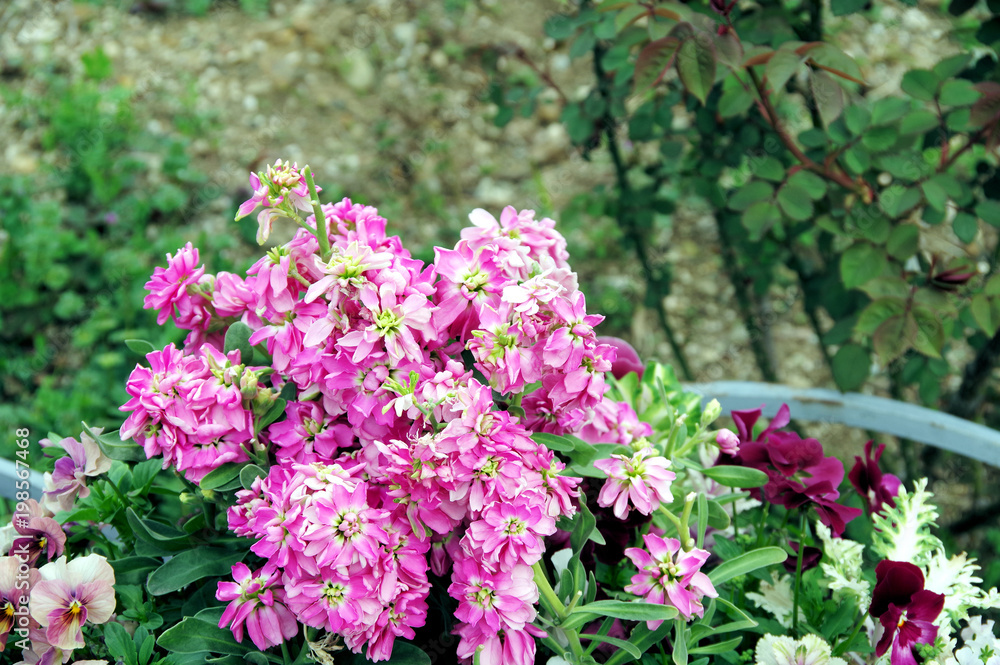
<point x="78" y="239"/>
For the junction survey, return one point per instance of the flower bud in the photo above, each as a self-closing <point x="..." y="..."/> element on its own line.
<point x="728" y="442"/>
<point x="711" y="413"/>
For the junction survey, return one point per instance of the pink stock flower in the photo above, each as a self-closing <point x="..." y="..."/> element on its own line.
<point x="280" y="181"/>
<point x="497" y="601"/>
<point x="176" y="291"/>
<point x="669" y="576"/>
<point x="71" y="594"/>
<point x="393" y="322"/>
<point x="729" y="443"/>
<point x="510" y="533"/>
<point x="343" y="529"/>
<point x="642" y="480"/>
<point x="232" y="295"/>
<point x="508" y="647"/>
<point x="258" y="606"/>
<point x="69" y="478"/>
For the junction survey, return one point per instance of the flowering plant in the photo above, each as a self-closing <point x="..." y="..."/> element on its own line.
<point x="354" y="451"/>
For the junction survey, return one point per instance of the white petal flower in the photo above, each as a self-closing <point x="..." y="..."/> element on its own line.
<point x="783" y="650"/>
<point x="777" y="599"/>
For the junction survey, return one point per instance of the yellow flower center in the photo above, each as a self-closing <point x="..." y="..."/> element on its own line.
<point x="75" y="608"/>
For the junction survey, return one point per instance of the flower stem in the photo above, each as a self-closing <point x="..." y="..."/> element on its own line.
<point x="798" y="572"/>
<point x="843" y="645"/>
<point x="321" y="233"/>
<point x="682" y="532"/>
<point x="556" y="606"/>
<point x="760" y="525"/>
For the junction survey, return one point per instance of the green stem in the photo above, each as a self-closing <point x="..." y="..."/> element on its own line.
<point x="682" y="533"/>
<point x="556" y="606"/>
<point x="546" y="591"/>
<point x="760" y="525"/>
<point x="284" y="654"/>
<point x="321" y="233"/>
<point x="842" y="646"/>
<point x="686" y="541"/>
<point x="798" y="572"/>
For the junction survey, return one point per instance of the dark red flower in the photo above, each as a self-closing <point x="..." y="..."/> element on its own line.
<point x="810" y="558"/>
<point x="876" y="488"/>
<point x="38" y="534"/>
<point x="905" y="609"/>
<point x="799" y="475"/>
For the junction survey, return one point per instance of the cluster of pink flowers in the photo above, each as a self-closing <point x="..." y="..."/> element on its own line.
<point x="392" y="461"/>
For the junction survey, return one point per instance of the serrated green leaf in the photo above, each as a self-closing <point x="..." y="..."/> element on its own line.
<point x="781" y="67"/>
<point x="795" y="202"/>
<point x="965" y="226"/>
<point x="920" y="121"/>
<point x="828" y="95"/>
<point x="936" y="197"/>
<point x="813" y="185"/>
<point x="857" y="119"/>
<point x="851" y="367"/>
<point x="953" y="66"/>
<point x="696" y="65"/>
<point x="759" y="218"/>
<point x="959" y="92"/>
<point x="861" y="263"/>
<point x="989" y="211"/>
<point x="751" y="193"/>
<point x="893" y="337"/>
<point x="920" y="84"/>
<point x="903" y="242"/>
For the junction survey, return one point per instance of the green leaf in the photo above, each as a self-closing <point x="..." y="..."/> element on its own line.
<point x="238" y="337"/>
<point x="751" y="193"/>
<point x="936" y="197"/>
<point x="896" y="201"/>
<point x="746" y="563"/>
<point x="828" y="95"/>
<point x="114" y="448"/>
<point x="759" y="218"/>
<point x="583" y="526"/>
<point x="989" y="212"/>
<point x="857" y="159"/>
<point x="893" y="337"/>
<point x="627" y="611"/>
<point x="696" y="65"/>
<point x="985" y="312"/>
<point x="273" y="414"/>
<point x="157" y="533"/>
<point x="643" y="638"/>
<point x="220" y="476"/>
<point x="561" y="444"/>
<point x="621" y="644"/>
<point x="200" y="633"/>
<point x="861" y="263"/>
<point x="965" y="226"/>
<point x="735" y="99"/>
<point x="249" y="473"/>
<point x="920" y="121"/>
<point x="857" y="119"/>
<point x="120" y="643"/>
<point x="903" y="241"/>
<point x="920" y="84"/>
<point x="845" y="7"/>
<point x="134" y="569"/>
<point x="812" y="184"/>
<point x="736" y="476"/>
<point x="851" y="367"/>
<point x="795" y="202"/>
<point x="190" y="566"/>
<point x="880" y="139"/>
<point x="560" y="26"/>
<point x="876" y="312"/>
<point x="769" y="168"/>
<point x="889" y="109"/>
<point x="654" y="61"/>
<point x="953" y="66"/>
<point x="781" y="67"/>
<point x="718" y="647"/>
<point x="959" y="92"/>
<point x="140" y="346"/>
<point x="929" y="338"/>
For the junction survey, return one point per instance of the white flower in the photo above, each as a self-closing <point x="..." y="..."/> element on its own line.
<point x="782" y="650"/>
<point x="842" y="562"/>
<point x="777" y="599"/>
<point x="981" y="645"/>
<point x="903" y="533"/>
<point x="956" y="579"/>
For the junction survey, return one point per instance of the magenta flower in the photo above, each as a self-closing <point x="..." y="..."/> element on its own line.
<point x="876" y="488"/>
<point x="905" y="609"/>
<point x="342" y="530"/>
<point x="70" y="594"/>
<point x="69" y="478"/>
<point x="642" y="480"/>
<point x="497" y="601"/>
<point x="258" y="605"/>
<point x="176" y="291"/>
<point x="668" y="576"/>
<point x="729" y="443"/>
<point x="509" y="533"/>
<point x="394" y="319"/>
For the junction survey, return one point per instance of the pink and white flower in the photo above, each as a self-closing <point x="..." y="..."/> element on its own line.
<point x="642" y="481"/>
<point x="70" y="594"/>
<point x="258" y="606"/>
<point x="668" y="576"/>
